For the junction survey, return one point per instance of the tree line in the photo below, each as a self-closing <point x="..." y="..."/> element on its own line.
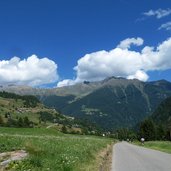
<point x="19" y="122"/>
<point x="29" y="100"/>
<point x="149" y="130"/>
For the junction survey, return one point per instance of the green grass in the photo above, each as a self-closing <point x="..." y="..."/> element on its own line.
<point x="164" y="146"/>
<point x="29" y="131"/>
<point x="51" y="150"/>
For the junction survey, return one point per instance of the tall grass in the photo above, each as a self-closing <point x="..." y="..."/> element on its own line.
<point x="50" y="150"/>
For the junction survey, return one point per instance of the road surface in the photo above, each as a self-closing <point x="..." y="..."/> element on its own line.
<point x="128" y="157"/>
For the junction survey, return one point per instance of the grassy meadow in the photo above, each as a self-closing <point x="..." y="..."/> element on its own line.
<point x="52" y="150"/>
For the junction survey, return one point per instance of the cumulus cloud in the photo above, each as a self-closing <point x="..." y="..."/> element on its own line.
<point x="31" y="71"/>
<point x="140" y="75"/>
<point x="124" y="62"/>
<point x="66" y="82"/>
<point x="166" y="26"/>
<point x="125" y="44"/>
<point x="159" y="13"/>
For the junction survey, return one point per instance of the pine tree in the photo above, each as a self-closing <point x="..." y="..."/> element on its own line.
<point x="148" y="130"/>
<point x="160" y="133"/>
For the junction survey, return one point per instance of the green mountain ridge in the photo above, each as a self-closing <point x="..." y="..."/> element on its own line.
<point x="111" y="103"/>
<point x="162" y="115"/>
<point x="116" y="103"/>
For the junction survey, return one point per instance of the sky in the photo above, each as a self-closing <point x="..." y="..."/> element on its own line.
<point x="63" y="42"/>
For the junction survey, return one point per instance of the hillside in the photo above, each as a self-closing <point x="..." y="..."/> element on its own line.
<point x="25" y="111"/>
<point x="111" y="103"/>
<point x="162" y="114"/>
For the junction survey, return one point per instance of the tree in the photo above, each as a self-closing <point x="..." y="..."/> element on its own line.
<point x="122" y="134"/>
<point x="84" y="130"/>
<point x="64" y="129"/>
<point x="160" y="132"/>
<point x="26" y="121"/>
<point x="6" y="115"/>
<point x="20" y="122"/>
<point x="1" y="120"/>
<point x="147" y="130"/>
<point x="125" y="133"/>
<point x="169" y="131"/>
<point x="11" y="122"/>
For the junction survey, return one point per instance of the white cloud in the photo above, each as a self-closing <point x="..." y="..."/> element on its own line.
<point x="31" y="71"/>
<point x="98" y="65"/>
<point x="123" y="62"/>
<point x="140" y="75"/>
<point x="159" y="13"/>
<point x="166" y="26"/>
<point x="125" y="44"/>
<point x="66" y="82"/>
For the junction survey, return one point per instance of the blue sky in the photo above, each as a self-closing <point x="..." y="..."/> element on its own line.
<point x="65" y="31"/>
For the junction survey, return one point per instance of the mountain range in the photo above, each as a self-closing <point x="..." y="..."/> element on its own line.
<point x="111" y="103"/>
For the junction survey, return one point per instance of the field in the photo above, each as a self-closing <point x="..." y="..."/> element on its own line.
<point x="52" y="150"/>
<point x="164" y="146"/>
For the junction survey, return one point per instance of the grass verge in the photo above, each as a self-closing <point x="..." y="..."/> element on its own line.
<point x="164" y="146"/>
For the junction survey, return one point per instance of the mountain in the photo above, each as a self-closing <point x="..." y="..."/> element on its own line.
<point x="162" y="115"/>
<point x="111" y="103"/>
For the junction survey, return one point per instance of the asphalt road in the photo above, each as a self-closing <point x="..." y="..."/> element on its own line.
<point x="128" y="157"/>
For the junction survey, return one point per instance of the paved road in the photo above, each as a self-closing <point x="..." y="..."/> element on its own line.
<point x="128" y="157"/>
